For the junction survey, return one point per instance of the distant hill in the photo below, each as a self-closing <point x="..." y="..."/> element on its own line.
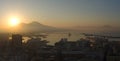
<point x="38" y="27"/>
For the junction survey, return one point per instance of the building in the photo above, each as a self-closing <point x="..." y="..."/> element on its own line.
<point x="78" y="45"/>
<point x="4" y="39"/>
<point x="16" y="40"/>
<point x="62" y="44"/>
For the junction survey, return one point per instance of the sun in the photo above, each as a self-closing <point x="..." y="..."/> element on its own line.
<point x="14" y="21"/>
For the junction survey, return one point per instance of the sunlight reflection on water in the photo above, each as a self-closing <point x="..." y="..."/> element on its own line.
<point x="55" y="37"/>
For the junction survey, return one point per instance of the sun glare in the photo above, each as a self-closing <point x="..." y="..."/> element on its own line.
<point x="14" y="21"/>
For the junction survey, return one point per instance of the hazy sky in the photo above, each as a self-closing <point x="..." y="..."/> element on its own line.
<point x="63" y="13"/>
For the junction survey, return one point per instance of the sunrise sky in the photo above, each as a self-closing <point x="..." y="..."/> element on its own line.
<point x="62" y="13"/>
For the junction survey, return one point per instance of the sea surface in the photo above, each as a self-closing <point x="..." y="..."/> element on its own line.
<point x="55" y="37"/>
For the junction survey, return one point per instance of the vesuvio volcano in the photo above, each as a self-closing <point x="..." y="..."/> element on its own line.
<point x="37" y="27"/>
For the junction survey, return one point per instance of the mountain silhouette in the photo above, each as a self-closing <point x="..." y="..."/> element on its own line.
<point x="38" y="27"/>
